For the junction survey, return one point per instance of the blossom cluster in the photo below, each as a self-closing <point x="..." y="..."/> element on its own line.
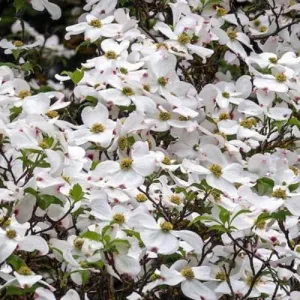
<point x="166" y="165"/>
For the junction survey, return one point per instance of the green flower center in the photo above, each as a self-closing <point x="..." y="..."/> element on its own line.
<point x="146" y="87"/>
<point x="44" y="144"/>
<point x="111" y="55"/>
<point x="263" y="28"/>
<point x="5" y="223"/>
<point x="216" y="170"/>
<point x="167" y="161"/>
<point x="183" y="39"/>
<point x="166" y="226"/>
<point x="232" y="35"/>
<point x="295" y="170"/>
<point x="95" y="23"/>
<point x="260" y="224"/>
<point x="97" y="128"/>
<point x="162" y="81"/>
<point x="24" y="93"/>
<point x="119" y="218"/>
<point x="281" y="77"/>
<point x="78" y="243"/>
<point x="279" y="193"/>
<point x="141" y="197"/>
<point x="257" y="23"/>
<point x="164" y="116"/>
<point x="11" y="234"/>
<point x="226" y="95"/>
<point x="18" y="43"/>
<point x="176" y="199"/>
<point x="52" y="114"/>
<point x="127" y="91"/>
<point x="221" y="12"/>
<point x="188" y="273"/>
<point x="124" y="71"/>
<point x="24" y="270"/>
<point x="248" y="123"/>
<point x="224" y="116"/>
<point x="123" y="143"/>
<point x="126" y="163"/>
<point x="221" y="276"/>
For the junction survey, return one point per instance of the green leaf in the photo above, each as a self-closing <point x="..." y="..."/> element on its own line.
<point x="15" y="261"/>
<point x="220" y="228"/>
<point x="14" y="112"/>
<point x="203" y="218"/>
<point x="294" y="121"/>
<point x="95" y="163"/>
<point x="44" y="201"/>
<point x="293" y="187"/>
<point x="224" y="215"/>
<point x="120" y="241"/>
<point x="31" y="191"/>
<point x="16" y="53"/>
<point x="19" y="4"/>
<point x="17" y="291"/>
<point x="91" y="235"/>
<point x="76" y="192"/>
<point x="77" y="76"/>
<point x="265" y="185"/>
<point x="85" y="275"/>
<point x="243" y="211"/>
<point x="27" y="67"/>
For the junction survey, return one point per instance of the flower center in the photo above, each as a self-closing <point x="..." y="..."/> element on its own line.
<point x="257" y="23"/>
<point x="279" y="193"/>
<point x="232" y="35"/>
<point x="158" y="45"/>
<point x="248" y="123"/>
<point x="123" y="143"/>
<point x="216" y="170"/>
<point x="164" y="116"/>
<point x="183" y="118"/>
<point x="162" y="81"/>
<point x="141" y="197"/>
<point x="260" y="224"/>
<point x="221" y="276"/>
<point x="224" y="116"/>
<point x="24" y="270"/>
<point x="263" y="28"/>
<point x="52" y="114"/>
<point x="295" y="170"/>
<point x="183" y="39"/>
<point x="166" y="160"/>
<point x="24" y="93"/>
<point x="188" y="273"/>
<point x="124" y="71"/>
<point x="221" y="12"/>
<point x="146" y="87"/>
<point x="5" y="223"/>
<point x="127" y="91"/>
<point x="11" y="234"/>
<point x="226" y="95"/>
<point x="281" y="77"/>
<point x="78" y="243"/>
<point x="44" y="144"/>
<point x="97" y="128"/>
<point x="18" y="43"/>
<point x="126" y="163"/>
<point x="166" y="226"/>
<point x="95" y="23"/>
<point x="175" y="199"/>
<point x="119" y="218"/>
<point x="111" y="55"/>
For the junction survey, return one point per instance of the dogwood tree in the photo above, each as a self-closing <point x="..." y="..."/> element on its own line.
<point x="149" y="149"/>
